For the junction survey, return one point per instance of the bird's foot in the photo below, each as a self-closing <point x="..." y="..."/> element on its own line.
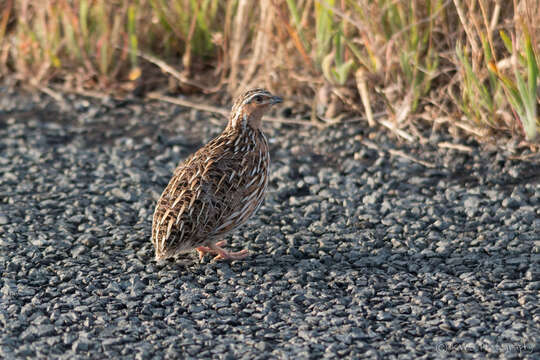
<point x="222" y="254"/>
<point x="225" y="255"/>
<point x="203" y="250"/>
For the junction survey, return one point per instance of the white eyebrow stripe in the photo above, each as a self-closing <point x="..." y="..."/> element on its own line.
<point x="247" y="101"/>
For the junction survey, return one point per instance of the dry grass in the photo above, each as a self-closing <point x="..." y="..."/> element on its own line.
<point x="471" y="65"/>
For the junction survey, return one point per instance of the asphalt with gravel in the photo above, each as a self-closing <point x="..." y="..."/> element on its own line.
<point x="366" y="246"/>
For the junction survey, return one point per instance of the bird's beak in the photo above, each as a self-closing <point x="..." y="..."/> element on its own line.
<point x="275" y="100"/>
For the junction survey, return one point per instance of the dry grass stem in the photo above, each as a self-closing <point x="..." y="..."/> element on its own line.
<point x="392" y="127"/>
<point x="364" y="95"/>
<point x="397" y="153"/>
<point x="400" y="153"/>
<point x="458" y="147"/>
<point x="182" y="78"/>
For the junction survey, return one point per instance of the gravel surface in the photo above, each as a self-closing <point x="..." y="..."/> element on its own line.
<point x="357" y="251"/>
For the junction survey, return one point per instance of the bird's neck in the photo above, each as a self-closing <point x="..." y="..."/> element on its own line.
<point x="242" y="121"/>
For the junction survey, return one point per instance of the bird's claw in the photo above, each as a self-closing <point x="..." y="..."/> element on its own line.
<point x="231" y="255"/>
<point x="222" y="254"/>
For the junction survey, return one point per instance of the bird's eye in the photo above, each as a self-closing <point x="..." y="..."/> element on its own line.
<point x="258" y="99"/>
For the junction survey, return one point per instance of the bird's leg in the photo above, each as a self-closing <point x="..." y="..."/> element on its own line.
<point x="221" y="253"/>
<point x="225" y="255"/>
<point x="203" y="250"/>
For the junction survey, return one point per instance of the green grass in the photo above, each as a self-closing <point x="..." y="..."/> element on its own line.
<point x="476" y="60"/>
<point x="522" y="92"/>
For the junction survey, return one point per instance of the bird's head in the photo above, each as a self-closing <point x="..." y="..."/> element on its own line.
<point x="249" y="108"/>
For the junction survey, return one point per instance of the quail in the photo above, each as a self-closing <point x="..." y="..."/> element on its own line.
<point x="217" y="188"/>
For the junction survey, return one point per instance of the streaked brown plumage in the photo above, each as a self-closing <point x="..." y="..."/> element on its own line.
<point x="218" y="187"/>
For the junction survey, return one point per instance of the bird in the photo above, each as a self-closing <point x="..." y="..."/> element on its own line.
<point x="217" y="188"/>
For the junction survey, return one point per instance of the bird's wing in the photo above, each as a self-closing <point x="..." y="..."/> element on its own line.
<point x="174" y="228"/>
<point x="239" y="186"/>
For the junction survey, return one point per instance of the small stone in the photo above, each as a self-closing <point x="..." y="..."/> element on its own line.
<point x="121" y="194"/>
<point x="78" y="250"/>
<point x="472" y="202"/>
<point x="507" y="285"/>
<point x="510" y="203"/>
<point x="81" y="346"/>
<point x="384" y="316"/>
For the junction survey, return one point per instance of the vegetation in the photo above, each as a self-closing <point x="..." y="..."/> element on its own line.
<point x="471" y="65"/>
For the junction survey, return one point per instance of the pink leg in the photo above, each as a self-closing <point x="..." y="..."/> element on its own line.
<point x="203" y="250"/>
<point x="221" y="253"/>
